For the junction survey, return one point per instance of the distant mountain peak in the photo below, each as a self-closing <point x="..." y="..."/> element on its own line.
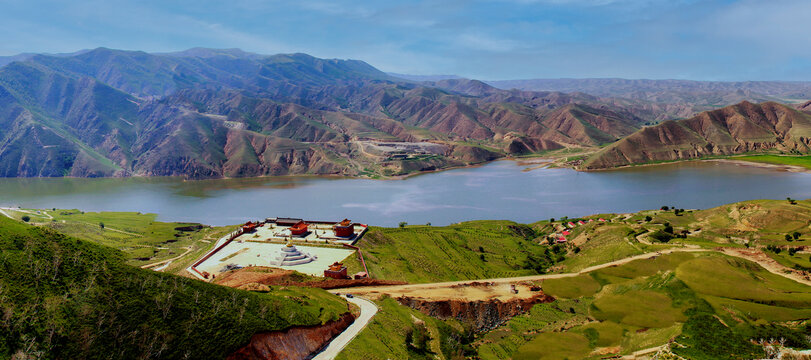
<point x="203" y="52"/>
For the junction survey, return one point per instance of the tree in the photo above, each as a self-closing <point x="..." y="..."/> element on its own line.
<point x="552" y="220"/>
<point x="101" y="225"/>
<point x="665" y="208"/>
<point x="26" y="218"/>
<point x="648" y="218"/>
<point x="482" y="258"/>
<point x="796" y="235"/>
<point x="788" y="237"/>
<point x="403" y="224"/>
<point x="668" y="228"/>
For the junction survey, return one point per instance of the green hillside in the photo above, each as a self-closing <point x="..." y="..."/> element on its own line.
<point x="65" y="298"/>
<point x="470" y="250"/>
<point x="709" y="304"/>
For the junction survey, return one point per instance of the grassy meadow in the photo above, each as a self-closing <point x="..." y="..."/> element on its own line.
<point x="142" y="238"/>
<point x="470" y="250"/>
<point x="791" y="160"/>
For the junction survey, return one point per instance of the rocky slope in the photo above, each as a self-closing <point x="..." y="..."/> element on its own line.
<point x="483" y="315"/>
<point x="297" y="343"/>
<point x="734" y="129"/>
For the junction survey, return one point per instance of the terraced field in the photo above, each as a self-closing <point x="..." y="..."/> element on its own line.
<point x="645" y="303"/>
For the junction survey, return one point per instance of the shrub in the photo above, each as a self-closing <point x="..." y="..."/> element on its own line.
<point x="648" y="218"/>
<point x="661" y="236"/>
<point x="402" y="224"/>
<point x="26" y="218"/>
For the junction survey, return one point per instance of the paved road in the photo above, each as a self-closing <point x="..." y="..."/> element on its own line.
<point x="367" y="310"/>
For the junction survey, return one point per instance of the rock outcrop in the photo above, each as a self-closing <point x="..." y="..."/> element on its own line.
<point x="483" y="314"/>
<point x="294" y="343"/>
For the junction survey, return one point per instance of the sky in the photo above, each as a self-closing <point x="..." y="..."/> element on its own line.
<point x="482" y="39"/>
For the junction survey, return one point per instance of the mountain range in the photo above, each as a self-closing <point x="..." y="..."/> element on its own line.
<point x="210" y="113"/>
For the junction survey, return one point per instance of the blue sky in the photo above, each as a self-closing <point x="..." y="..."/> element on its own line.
<point x="483" y="39"/>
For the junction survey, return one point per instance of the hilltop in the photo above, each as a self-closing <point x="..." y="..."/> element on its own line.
<point x="736" y="129"/>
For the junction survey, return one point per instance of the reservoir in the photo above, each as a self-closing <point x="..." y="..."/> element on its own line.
<point x="499" y="190"/>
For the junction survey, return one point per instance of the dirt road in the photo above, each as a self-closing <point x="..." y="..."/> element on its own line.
<point x="425" y="288"/>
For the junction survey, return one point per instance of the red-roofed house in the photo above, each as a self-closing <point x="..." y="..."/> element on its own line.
<point x="570" y="224"/>
<point x="565" y="232"/>
<point x="561" y="240"/>
<point x="581" y="222"/>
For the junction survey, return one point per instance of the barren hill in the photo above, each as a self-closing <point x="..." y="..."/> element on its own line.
<point x="734" y="129"/>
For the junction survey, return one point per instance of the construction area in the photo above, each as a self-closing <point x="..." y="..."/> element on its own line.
<point x="467" y="291"/>
<point x="314" y="248"/>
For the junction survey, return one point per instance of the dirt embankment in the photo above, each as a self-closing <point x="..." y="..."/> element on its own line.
<point x="483" y="314"/>
<point x="251" y="278"/>
<point x="299" y="342"/>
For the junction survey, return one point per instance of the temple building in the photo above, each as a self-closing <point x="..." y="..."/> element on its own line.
<point x="288" y="255"/>
<point x="336" y="271"/>
<point x="344" y="228"/>
<point x="249" y="227"/>
<point x="287" y="221"/>
<point x="300" y="228"/>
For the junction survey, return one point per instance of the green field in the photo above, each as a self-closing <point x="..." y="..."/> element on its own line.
<point x="802" y="161"/>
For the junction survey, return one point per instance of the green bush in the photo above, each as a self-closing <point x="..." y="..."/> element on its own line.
<point x="661" y="236"/>
<point x="704" y="337"/>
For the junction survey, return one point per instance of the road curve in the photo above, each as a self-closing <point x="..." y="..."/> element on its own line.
<point x="367" y="310"/>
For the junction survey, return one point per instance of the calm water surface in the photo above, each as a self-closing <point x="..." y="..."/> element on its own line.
<point x="500" y="190"/>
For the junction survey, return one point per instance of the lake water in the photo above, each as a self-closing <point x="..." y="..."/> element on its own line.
<point x="499" y="190"/>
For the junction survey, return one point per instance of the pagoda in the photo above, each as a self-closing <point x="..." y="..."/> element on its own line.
<point x="288" y="255"/>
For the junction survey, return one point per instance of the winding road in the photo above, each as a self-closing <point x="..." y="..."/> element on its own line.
<point x="367" y="310"/>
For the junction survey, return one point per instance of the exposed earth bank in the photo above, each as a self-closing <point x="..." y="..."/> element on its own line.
<point x="294" y="343"/>
<point x="483" y="314"/>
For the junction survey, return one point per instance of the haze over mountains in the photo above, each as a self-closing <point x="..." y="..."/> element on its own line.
<point x="207" y="113"/>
